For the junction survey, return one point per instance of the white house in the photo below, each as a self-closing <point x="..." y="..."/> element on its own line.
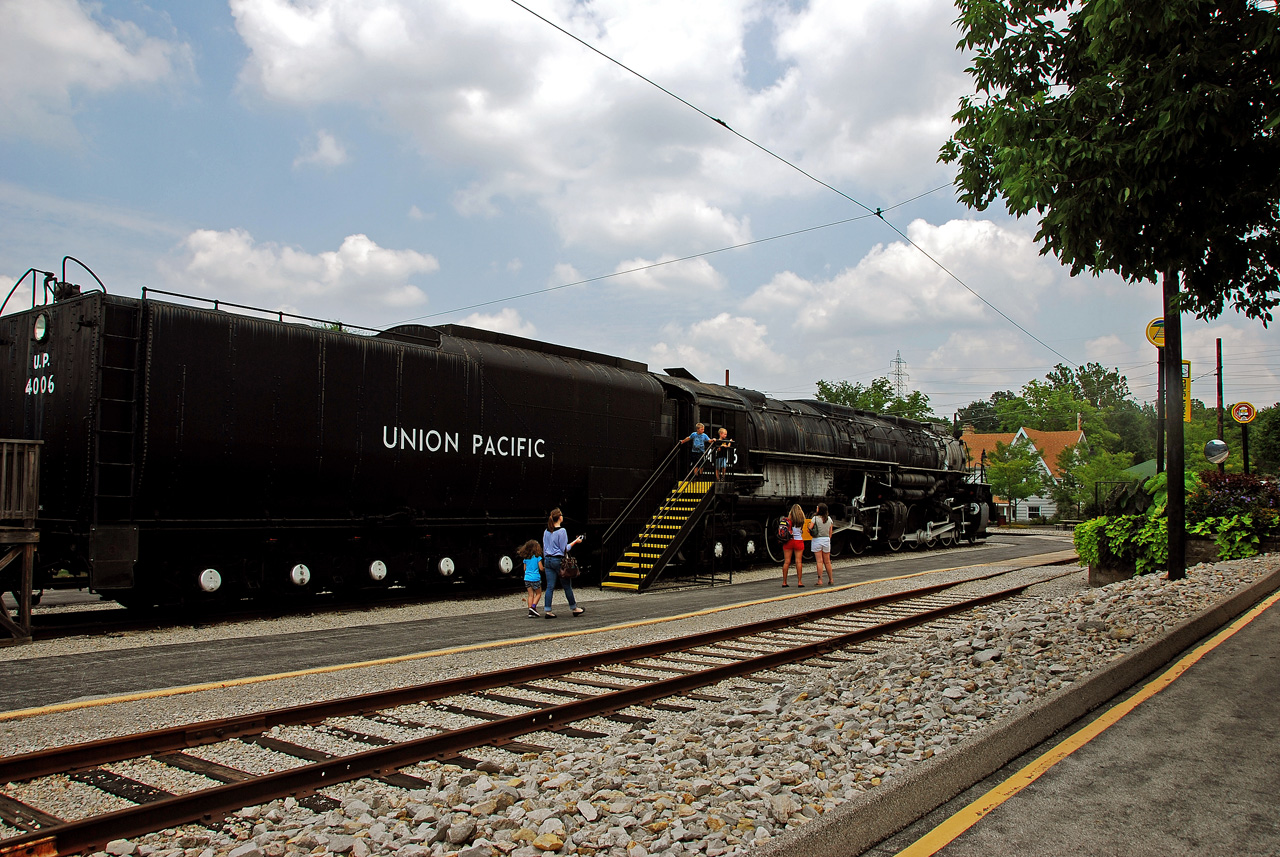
<point x="1048" y="444"/>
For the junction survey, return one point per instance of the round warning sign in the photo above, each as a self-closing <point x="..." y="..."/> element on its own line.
<point x="1155" y="332"/>
<point x="1243" y="412"/>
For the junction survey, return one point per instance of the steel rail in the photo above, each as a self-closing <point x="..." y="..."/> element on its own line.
<point x="77" y="836"/>
<point x="76" y="757"/>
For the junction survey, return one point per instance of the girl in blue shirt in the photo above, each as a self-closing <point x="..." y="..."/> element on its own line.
<point x="531" y="553"/>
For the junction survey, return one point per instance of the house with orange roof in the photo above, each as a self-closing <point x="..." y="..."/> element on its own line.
<point x="1048" y="446"/>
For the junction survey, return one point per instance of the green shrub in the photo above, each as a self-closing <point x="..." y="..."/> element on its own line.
<point x="1247" y="510"/>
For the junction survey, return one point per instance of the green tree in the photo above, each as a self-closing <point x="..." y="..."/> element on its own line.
<point x="1142" y="133"/>
<point x="1015" y="473"/>
<point x="1101" y="387"/>
<point x="1264" y="441"/>
<point x="1080" y="470"/>
<point x="1135" y="427"/>
<point x="878" y="397"/>
<point x="982" y="415"/>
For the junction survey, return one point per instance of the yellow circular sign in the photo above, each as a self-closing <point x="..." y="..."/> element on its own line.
<point x="1155" y="332"/>
<point x="1243" y="412"/>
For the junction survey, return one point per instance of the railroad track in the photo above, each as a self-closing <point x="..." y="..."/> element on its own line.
<point x="394" y="726"/>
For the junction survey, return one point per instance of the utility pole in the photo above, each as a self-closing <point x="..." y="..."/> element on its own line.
<point x="1159" y="410"/>
<point x="1222" y="466"/>
<point x="1176" y="485"/>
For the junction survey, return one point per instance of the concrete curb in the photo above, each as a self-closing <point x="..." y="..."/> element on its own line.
<point x="872" y="816"/>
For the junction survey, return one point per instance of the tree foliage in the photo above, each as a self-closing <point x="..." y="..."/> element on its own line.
<point x="1015" y="473"/>
<point x="982" y="416"/>
<point x="1079" y="473"/>
<point x="1142" y="133"/>
<point x="1264" y="441"/>
<point x="1101" y="387"/>
<point x="878" y="397"/>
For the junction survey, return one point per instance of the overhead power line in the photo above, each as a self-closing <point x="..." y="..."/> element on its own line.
<point x="634" y="270"/>
<point x="877" y="212"/>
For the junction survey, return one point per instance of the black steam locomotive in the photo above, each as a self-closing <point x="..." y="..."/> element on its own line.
<point x="191" y="452"/>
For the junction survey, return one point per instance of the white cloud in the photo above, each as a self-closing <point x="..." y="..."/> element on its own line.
<point x="896" y="285"/>
<point x="323" y="150"/>
<point x="863" y="95"/>
<point x="562" y="274"/>
<point x="688" y="277"/>
<point x="53" y="53"/>
<point x="708" y="347"/>
<point x="231" y="264"/>
<point x="507" y="320"/>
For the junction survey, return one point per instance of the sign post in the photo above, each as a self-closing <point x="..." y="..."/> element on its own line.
<point x="1155" y="335"/>
<point x="1243" y="413"/>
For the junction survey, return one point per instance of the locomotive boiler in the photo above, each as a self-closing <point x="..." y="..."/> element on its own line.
<point x="190" y="453"/>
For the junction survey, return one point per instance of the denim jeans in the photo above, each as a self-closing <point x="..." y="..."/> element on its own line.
<point x="551" y="565"/>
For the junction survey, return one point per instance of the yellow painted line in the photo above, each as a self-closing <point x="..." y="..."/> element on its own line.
<point x="949" y="830"/>
<point x="21" y="713"/>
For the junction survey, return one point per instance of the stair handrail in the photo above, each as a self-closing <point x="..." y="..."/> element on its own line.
<point x="612" y="529"/>
<point x="672" y="497"/>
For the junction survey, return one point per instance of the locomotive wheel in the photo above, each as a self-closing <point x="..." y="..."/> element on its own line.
<point x="771" y="544"/>
<point x="947" y="539"/>
<point x="857" y="543"/>
<point x="837" y="545"/>
<point x="895" y="545"/>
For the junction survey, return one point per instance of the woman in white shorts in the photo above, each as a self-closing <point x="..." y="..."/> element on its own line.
<point x="820" y="528"/>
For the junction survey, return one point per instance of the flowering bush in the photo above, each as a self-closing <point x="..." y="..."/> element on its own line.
<point x="1225" y="495"/>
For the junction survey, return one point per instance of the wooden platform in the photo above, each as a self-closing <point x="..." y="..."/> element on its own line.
<point x="19" y="503"/>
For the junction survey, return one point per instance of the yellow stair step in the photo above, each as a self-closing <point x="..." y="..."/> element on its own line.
<point x="634" y="587"/>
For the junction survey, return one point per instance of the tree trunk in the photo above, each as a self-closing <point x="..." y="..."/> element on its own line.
<point x="1173" y="428"/>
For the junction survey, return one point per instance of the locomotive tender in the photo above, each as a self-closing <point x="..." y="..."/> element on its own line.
<point x="190" y="453"/>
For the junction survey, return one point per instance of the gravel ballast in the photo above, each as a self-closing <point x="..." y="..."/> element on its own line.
<point x="726" y="778"/>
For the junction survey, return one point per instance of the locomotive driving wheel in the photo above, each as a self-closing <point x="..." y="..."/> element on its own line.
<point x="771" y="544"/>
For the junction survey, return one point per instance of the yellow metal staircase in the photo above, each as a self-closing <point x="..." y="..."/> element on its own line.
<point x="661" y="537"/>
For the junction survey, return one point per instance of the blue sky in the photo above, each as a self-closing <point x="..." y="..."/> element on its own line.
<point x="381" y="161"/>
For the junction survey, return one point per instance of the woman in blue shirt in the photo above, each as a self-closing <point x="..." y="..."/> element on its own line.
<point x="555" y="544"/>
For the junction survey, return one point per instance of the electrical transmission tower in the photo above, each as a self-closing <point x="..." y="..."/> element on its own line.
<point x="900" y="377"/>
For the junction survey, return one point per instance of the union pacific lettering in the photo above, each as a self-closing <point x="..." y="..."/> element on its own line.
<point x="432" y="440"/>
